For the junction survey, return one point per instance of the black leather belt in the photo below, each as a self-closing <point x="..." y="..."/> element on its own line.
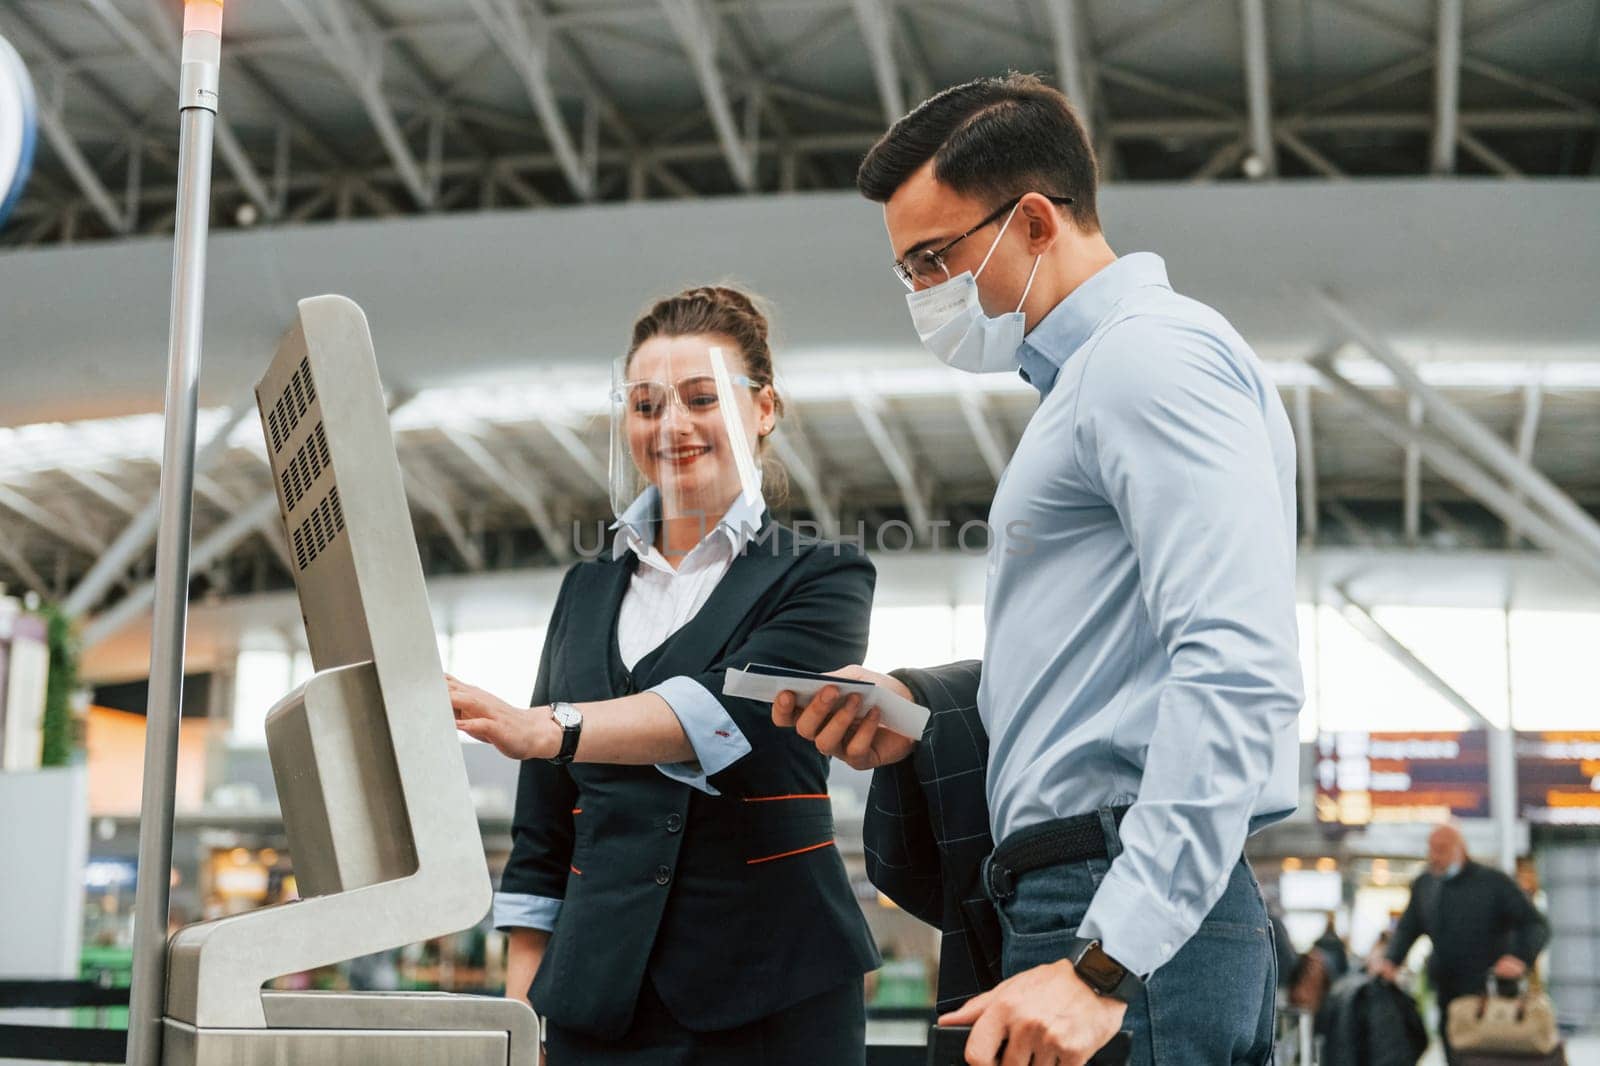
<point x="1053" y="843"/>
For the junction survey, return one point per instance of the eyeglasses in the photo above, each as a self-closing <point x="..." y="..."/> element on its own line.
<point x="926" y="266"/>
<point x="696" y="395"/>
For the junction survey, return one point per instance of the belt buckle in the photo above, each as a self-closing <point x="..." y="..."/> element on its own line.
<point x="1002" y="882"/>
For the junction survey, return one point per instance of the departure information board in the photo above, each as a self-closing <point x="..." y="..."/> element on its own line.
<point x="1402" y="777"/>
<point x="1426" y="777"/>
<point x="1558" y="778"/>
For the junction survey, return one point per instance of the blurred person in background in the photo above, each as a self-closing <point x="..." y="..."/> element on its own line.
<point x="1334" y="954"/>
<point x="1478" y="919"/>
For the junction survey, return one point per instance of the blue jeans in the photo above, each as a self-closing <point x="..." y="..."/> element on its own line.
<point x="1211" y="1005"/>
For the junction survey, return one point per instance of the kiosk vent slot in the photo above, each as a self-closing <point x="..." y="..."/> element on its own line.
<point x="318" y="529"/>
<point x="303" y="470"/>
<point x="291" y="407"/>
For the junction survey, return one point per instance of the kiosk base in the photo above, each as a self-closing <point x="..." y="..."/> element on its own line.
<point x="341" y="1028"/>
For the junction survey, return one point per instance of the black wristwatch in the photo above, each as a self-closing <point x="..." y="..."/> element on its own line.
<point x="1103" y="974"/>
<point x="570" y="719"/>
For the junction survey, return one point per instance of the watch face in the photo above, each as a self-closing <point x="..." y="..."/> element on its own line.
<point x="1098" y="970"/>
<point x="567" y="717"/>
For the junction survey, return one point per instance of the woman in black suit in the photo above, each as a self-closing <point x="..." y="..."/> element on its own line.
<point x="673" y="893"/>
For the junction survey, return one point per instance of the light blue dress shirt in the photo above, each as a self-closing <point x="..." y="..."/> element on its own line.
<point x="716" y="738"/>
<point x="1141" y="644"/>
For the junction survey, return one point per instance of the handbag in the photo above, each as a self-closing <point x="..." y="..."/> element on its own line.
<point x="1522" y="1024"/>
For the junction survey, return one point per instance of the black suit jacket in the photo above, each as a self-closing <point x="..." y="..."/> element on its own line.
<point x="733" y="906"/>
<point x="926" y="833"/>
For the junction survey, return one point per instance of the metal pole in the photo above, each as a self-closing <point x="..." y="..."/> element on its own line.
<point x="1446" y="87"/>
<point x="1258" y="86"/>
<point x="1503" y="795"/>
<point x="1503" y="767"/>
<point x="197" y="110"/>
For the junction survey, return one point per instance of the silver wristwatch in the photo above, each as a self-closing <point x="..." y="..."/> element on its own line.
<point x="570" y="719"/>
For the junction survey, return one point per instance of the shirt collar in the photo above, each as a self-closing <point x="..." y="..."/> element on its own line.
<point x="1061" y="332"/>
<point x="742" y="522"/>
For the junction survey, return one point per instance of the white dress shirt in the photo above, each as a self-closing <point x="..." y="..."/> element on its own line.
<point x="660" y="601"/>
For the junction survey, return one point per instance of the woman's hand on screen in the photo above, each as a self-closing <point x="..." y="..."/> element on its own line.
<point x="518" y="732"/>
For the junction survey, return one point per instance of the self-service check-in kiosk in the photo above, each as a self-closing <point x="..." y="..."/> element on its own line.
<point x="369" y="772"/>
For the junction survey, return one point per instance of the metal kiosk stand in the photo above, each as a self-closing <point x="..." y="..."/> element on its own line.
<point x="368" y="768"/>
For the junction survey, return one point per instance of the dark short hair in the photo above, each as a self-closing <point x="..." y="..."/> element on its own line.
<point x="992" y="138"/>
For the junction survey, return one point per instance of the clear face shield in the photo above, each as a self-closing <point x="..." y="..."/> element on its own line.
<point x="685" y="420"/>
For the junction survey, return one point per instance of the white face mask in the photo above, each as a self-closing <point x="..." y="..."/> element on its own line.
<point x="950" y="320"/>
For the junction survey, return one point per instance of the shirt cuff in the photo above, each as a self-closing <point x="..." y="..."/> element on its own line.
<point x="1135" y="926"/>
<point x="717" y="741"/>
<point x="514" y="910"/>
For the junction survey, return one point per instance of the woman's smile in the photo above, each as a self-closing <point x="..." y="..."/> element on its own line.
<point x="682" y="455"/>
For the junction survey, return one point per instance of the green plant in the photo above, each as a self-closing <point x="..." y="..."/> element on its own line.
<point x="61" y="683"/>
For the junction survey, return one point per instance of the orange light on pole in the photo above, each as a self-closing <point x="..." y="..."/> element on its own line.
<point x="202" y="16"/>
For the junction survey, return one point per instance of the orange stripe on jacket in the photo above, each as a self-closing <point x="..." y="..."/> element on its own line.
<point x="786" y="854"/>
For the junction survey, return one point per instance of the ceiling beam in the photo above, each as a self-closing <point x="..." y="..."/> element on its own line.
<point x="1065" y="21"/>
<point x="1309" y="155"/>
<point x="1467" y="433"/>
<point x="1467" y="476"/>
<point x="509" y="475"/>
<point x="696" y="30"/>
<point x="877" y="27"/>
<point x="1162" y="91"/>
<point x="1218" y="162"/>
<point x="1370" y="82"/>
<point x="568" y="440"/>
<point x="13" y="557"/>
<point x="210" y="548"/>
<point x="1162" y="18"/>
<point x="164" y="62"/>
<point x="1357" y="530"/>
<point x="800" y="459"/>
<point x="112" y="562"/>
<point x="985" y="429"/>
<point x="914" y="64"/>
<point x="1258" y="87"/>
<point x="163" y="16"/>
<point x="424" y="484"/>
<point x="1362" y="621"/>
<point x="357" y="56"/>
<point x="524" y="37"/>
<point x="895" y="451"/>
<point x="83" y="175"/>
<point x="1487" y="156"/>
<point x="18" y="504"/>
<point x="270" y="526"/>
<point x="1527" y="437"/>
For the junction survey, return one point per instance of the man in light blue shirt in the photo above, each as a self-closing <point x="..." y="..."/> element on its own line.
<point x="1140" y="683"/>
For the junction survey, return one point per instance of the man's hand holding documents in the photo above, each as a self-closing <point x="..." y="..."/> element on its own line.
<point x="862" y="718"/>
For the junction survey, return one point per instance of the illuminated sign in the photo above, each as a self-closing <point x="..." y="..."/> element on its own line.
<point x="1558" y="778"/>
<point x="1402" y="777"/>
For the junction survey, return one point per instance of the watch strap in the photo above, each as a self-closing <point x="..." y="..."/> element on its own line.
<point x="1124" y="987"/>
<point x="569" y="737"/>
